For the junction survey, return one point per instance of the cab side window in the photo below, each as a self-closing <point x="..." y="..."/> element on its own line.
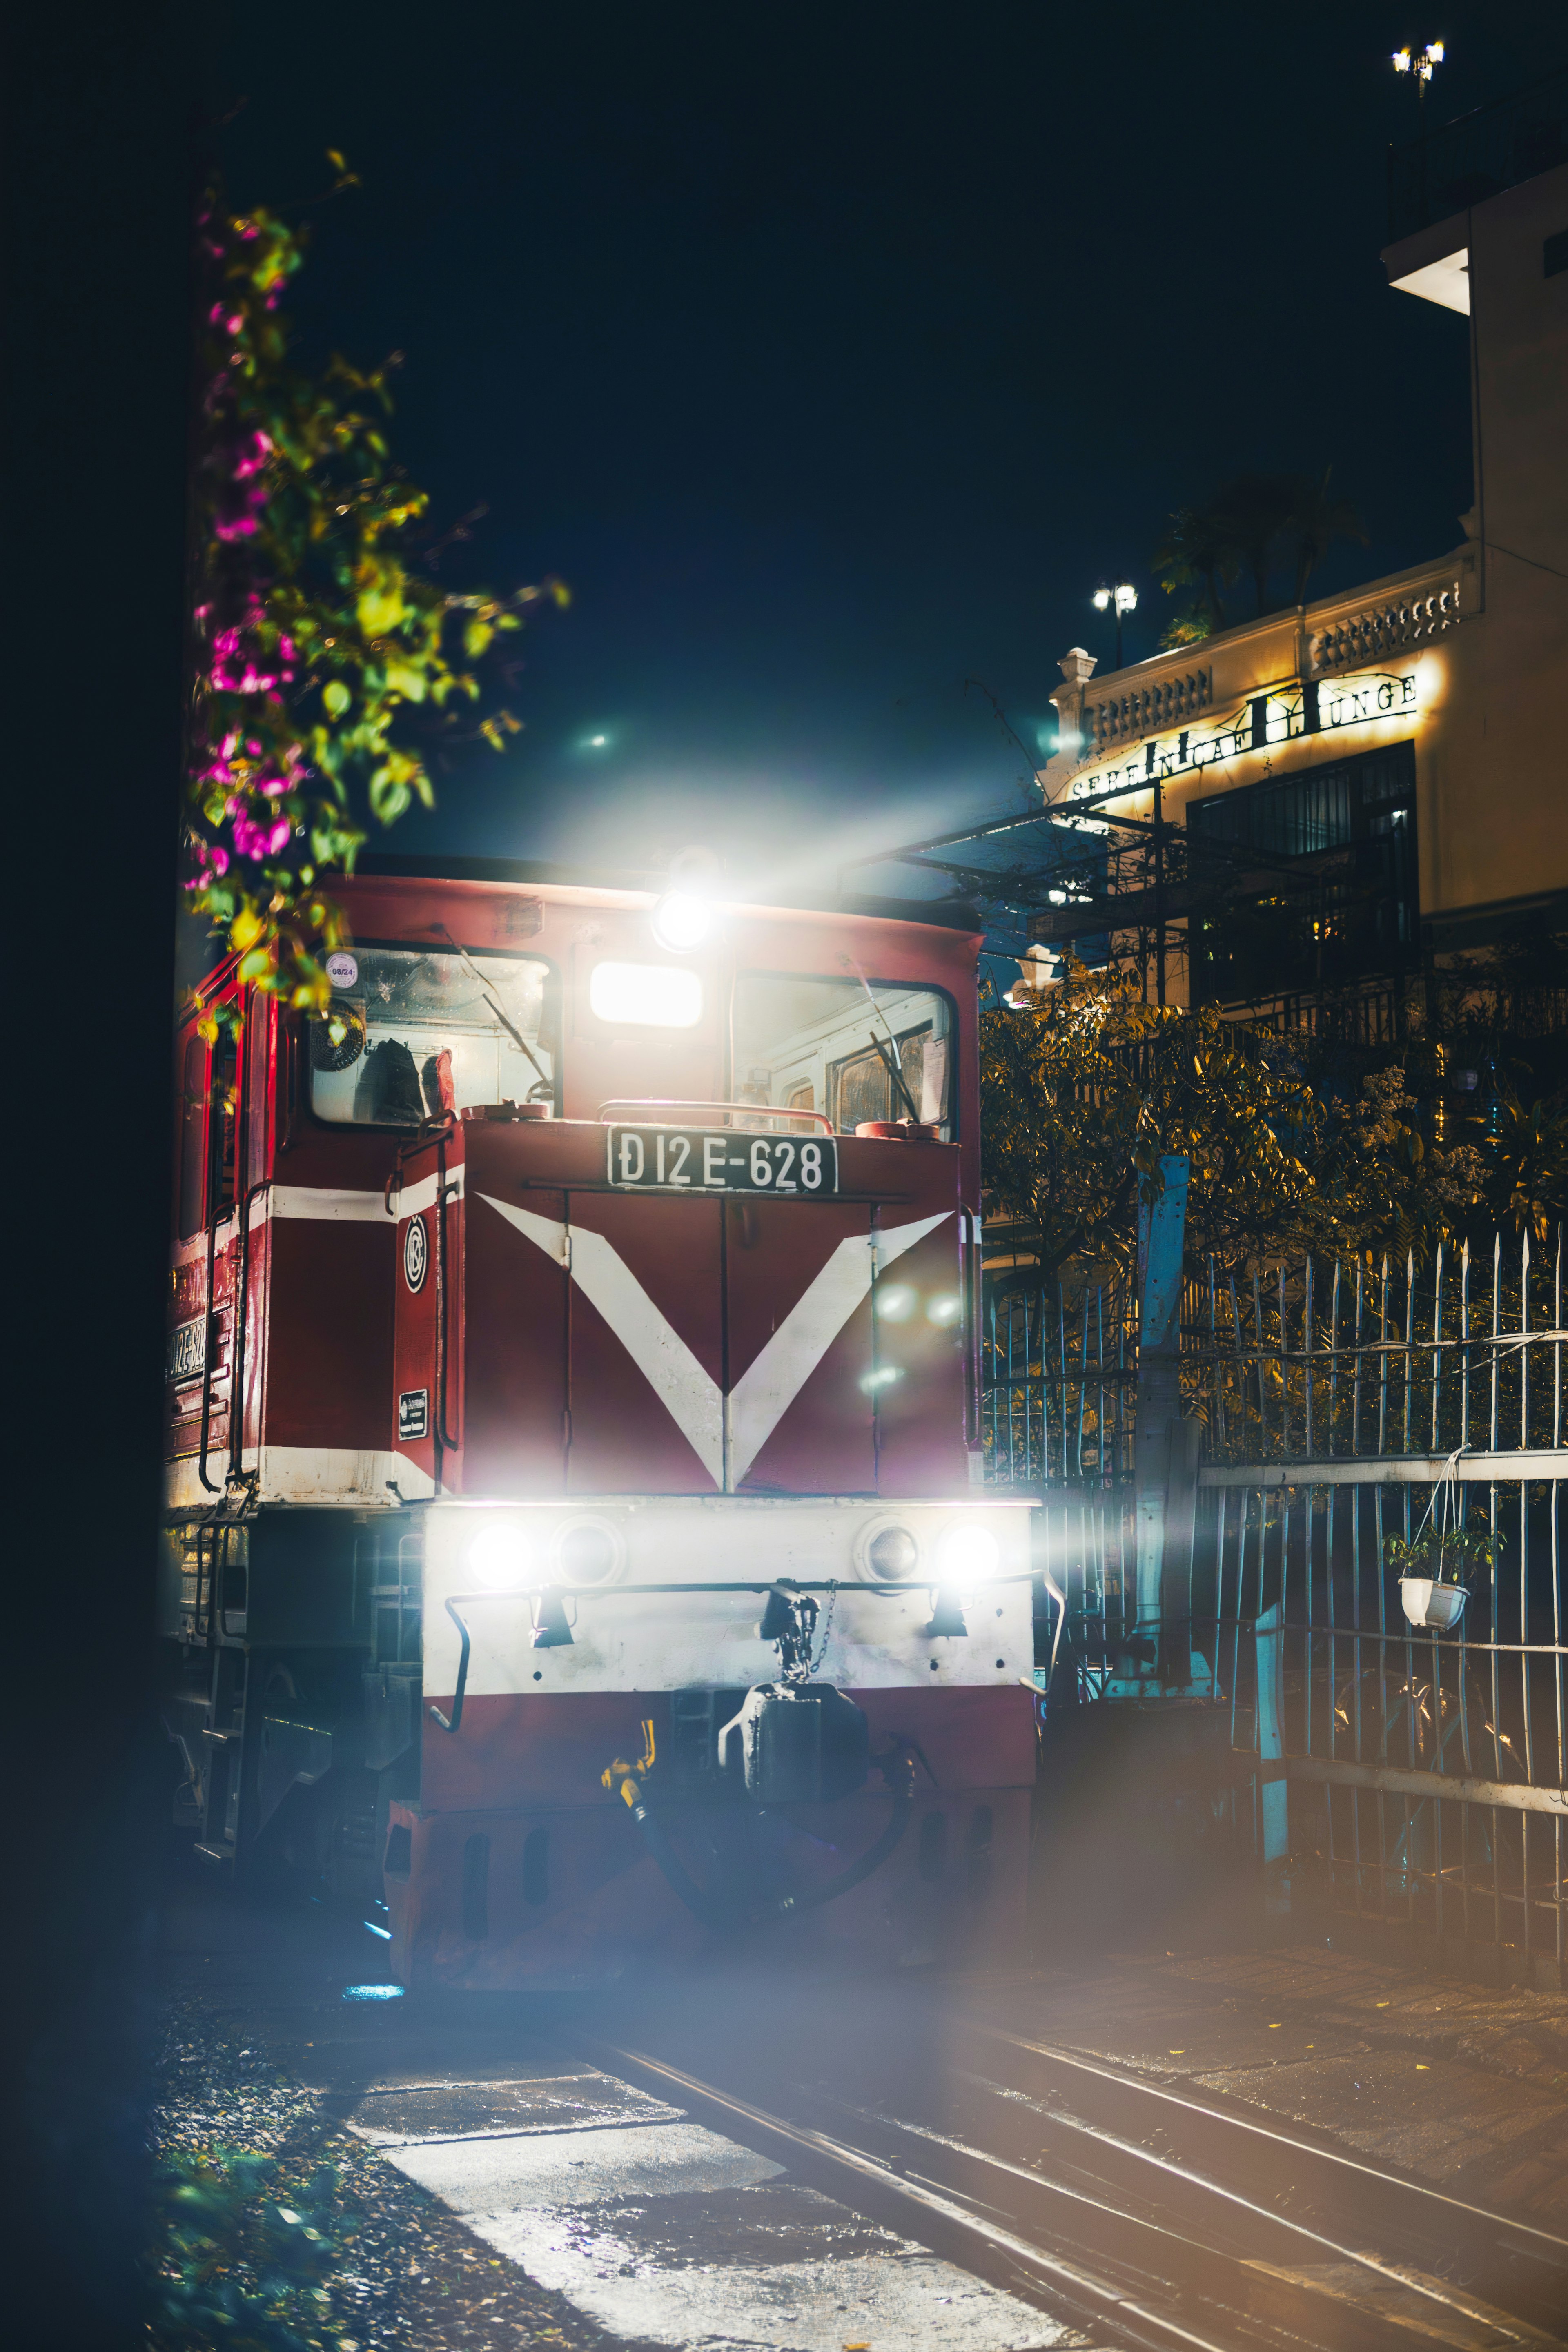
<point x="209" y="1130"/>
<point x="193" y="1135"/>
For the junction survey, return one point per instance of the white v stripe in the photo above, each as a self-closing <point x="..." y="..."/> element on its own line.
<point x="692" y="1398"/>
<point x="689" y="1392"/>
<point x="770" y="1385"/>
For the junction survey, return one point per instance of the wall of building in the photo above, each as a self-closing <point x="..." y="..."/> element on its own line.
<point x="1466" y="656"/>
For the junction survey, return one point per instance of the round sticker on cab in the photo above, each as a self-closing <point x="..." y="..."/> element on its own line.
<point x="415" y="1253"/>
<point x="343" y="969"/>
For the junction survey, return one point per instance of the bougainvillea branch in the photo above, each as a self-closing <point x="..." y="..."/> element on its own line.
<point x="323" y="663"/>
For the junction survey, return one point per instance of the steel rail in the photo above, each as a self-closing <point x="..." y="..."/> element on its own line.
<point x="1200" y="2192"/>
<point x="1416" y="2210"/>
<point x="949" y="2225"/>
<point x="1146" y="2258"/>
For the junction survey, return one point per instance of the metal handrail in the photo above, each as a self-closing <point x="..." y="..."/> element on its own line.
<point x="696" y="1102"/>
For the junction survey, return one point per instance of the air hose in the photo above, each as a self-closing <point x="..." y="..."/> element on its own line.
<point x="896" y="1768"/>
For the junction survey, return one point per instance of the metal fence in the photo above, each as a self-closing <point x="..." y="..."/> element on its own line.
<point x="1424" y="1774"/>
<point x="1464" y="163"/>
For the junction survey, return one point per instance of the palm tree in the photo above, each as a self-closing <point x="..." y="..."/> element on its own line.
<point x="1317" y="519"/>
<point x="1253" y="513"/>
<point x="1195" y="551"/>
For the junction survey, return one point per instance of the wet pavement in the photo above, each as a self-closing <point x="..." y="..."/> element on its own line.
<point x="612" y="2210"/>
<point x="516" y="2194"/>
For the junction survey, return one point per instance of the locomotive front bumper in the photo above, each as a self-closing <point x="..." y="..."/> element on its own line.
<point x="649" y="1593"/>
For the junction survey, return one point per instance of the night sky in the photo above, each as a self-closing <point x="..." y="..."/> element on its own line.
<point x="833" y="356"/>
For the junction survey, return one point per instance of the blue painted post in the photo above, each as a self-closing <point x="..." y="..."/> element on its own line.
<point x="1162" y="1227"/>
<point x="1274" y="1802"/>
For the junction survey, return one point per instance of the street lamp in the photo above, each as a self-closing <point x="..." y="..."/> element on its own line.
<point x="1419" y="62"/>
<point x="1423" y="64"/>
<point x="1124" y="598"/>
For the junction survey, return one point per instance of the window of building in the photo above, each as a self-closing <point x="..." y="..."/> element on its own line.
<point x="1307" y="882"/>
<point x="821" y="1044"/>
<point x="412" y="1033"/>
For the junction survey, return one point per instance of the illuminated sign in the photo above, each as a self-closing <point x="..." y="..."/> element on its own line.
<point x="1276" y="714"/>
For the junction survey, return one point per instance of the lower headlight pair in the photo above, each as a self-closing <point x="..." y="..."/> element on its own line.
<point x="508" y="1553"/>
<point x="963" y="1555"/>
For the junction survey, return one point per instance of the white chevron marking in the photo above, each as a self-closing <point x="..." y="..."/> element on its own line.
<point x="771" y="1383"/>
<point x="692" y="1398"/>
<point x="689" y="1393"/>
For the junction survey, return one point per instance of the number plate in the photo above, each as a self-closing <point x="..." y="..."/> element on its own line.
<point x="185" y="1350"/>
<point x="721" y="1160"/>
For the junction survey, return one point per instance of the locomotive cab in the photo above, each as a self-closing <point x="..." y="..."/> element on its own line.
<point x="578" y="1537"/>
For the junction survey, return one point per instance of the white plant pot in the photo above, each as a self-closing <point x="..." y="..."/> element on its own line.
<point x="1426" y="1602"/>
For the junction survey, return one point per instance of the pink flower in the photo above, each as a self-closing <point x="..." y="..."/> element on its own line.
<point x="258" y="448"/>
<point x="254" y="840"/>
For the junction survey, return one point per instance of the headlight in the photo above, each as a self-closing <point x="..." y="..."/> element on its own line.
<point x="885" y="1551"/>
<point x="893" y="1300"/>
<point x="893" y="1554"/>
<point x="588" y="1552"/>
<point x="945" y="1309"/>
<point x="967" y="1555"/>
<point x="499" y="1554"/>
<point x="681" y="921"/>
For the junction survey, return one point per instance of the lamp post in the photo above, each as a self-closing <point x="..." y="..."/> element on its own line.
<point x="1124" y="598"/>
<point x="1423" y="64"/>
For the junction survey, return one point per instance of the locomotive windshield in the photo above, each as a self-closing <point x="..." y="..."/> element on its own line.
<point x="410" y="1033"/>
<point x="856" y="1050"/>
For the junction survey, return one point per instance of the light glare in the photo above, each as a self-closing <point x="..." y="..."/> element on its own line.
<point x="945" y="1309"/>
<point x="895" y="1301"/>
<point x="499" y="1556"/>
<point x="681" y="921"/>
<point x="967" y="1555"/>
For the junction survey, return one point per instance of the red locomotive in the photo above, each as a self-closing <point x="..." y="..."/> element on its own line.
<point x="576" y="1534"/>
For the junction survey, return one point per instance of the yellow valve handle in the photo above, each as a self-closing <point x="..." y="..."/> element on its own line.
<point x="631" y="1775"/>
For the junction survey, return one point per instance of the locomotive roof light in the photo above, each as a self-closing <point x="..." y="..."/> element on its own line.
<point x="886" y="1551"/>
<point x="681" y="920"/>
<point x="945" y="1309"/>
<point x="500" y="1555"/>
<point x="589" y="1551"/>
<point x="895" y="1301"/>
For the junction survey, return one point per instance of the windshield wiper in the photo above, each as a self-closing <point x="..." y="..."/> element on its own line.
<point x="889" y="1057"/>
<point x="514" y="1034"/>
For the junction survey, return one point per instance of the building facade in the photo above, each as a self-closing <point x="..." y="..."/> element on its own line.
<point x="1337" y="804"/>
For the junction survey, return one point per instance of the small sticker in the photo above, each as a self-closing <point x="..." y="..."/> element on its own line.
<point x="413" y="1414"/>
<point x="415" y="1253"/>
<point x="343" y="969"/>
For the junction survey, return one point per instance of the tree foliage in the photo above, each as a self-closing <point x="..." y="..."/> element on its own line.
<point x="1246" y="527"/>
<point x="1084" y="1091"/>
<point x="326" y="656"/>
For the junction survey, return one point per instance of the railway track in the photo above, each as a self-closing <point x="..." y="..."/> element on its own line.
<point x="1128" y="2209"/>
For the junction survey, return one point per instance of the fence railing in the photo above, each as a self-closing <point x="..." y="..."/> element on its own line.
<point x="1428" y="1773"/>
<point x="1464" y="163"/>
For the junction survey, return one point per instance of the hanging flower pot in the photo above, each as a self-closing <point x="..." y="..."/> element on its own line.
<point x="1430" y="1565"/>
<point x="1426" y="1601"/>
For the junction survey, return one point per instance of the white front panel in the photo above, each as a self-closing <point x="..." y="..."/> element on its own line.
<point x="626" y="1637"/>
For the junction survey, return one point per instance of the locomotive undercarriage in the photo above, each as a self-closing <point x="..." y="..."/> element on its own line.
<point x="309" y="1750"/>
<point x="292" y="1698"/>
